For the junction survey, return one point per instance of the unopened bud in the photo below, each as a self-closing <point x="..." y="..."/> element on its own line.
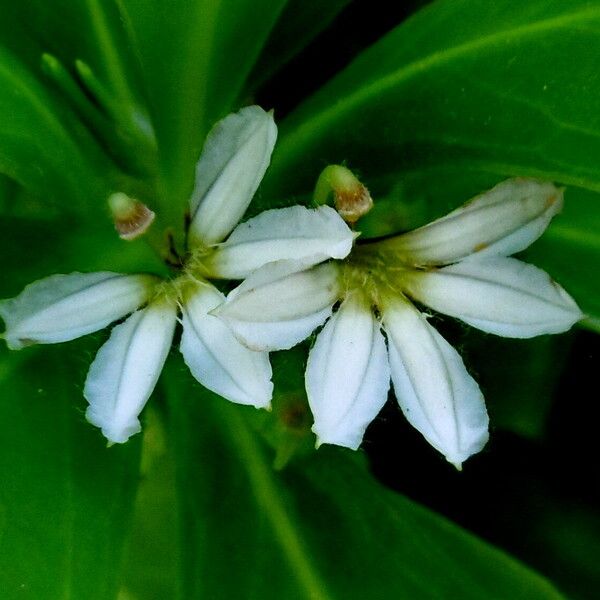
<point x="131" y="217"/>
<point x="351" y="198"/>
<point x="353" y="204"/>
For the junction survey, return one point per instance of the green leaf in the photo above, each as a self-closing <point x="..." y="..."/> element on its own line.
<point x="32" y="249"/>
<point x="513" y="90"/>
<point x="9" y="190"/>
<point x="195" y="56"/>
<point x="570" y="533"/>
<point x="32" y="27"/>
<point x="87" y="78"/>
<point x="38" y="147"/>
<point x="152" y="553"/>
<point x="65" y="499"/>
<point x="320" y="529"/>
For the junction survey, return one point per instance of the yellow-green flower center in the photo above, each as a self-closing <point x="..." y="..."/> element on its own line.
<point x="375" y="273"/>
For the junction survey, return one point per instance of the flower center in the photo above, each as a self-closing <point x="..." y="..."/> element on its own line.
<point x="374" y="272"/>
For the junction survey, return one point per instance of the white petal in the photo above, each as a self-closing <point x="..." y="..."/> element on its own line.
<point x="126" y="368"/>
<point x="233" y="162"/>
<point x="217" y="359"/>
<point x="499" y="295"/>
<point x="296" y="232"/>
<point x="436" y="394"/>
<point x="347" y="375"/>
<point x="504" y="220"/>
<point x="281" y="304"/>
<point x="64" y="307"/>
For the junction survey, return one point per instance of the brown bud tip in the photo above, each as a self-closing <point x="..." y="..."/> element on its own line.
<point x="131" y="217"/>
<point x="353" y="202"/>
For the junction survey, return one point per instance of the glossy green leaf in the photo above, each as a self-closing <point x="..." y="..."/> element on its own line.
<point x="41" y="145"/>
<point x="513" y="90"/>
<point x="36" y="248"/>
<point x="35" y="26"/>
<point x="65" y="499"/>
<point x="195" y="57"/>
<point x="150" y="569"/>
<point x="320" y="529"/>
<point x="87" y="78"/>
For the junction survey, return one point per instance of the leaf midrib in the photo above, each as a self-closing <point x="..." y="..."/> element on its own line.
<point x="267" y="495"/>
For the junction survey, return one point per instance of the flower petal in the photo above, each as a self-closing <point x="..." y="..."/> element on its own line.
<point x="126" y="368"/>
<point x="347" y="375"/>
<point x="64" y="307"/>
<point x="281" y="304"/>
<point x="502" y="221"/>
<point x="499" y="295"/>
<point x="217" y="359"/>
<point x="436" y="394"/>
<point x="296" y="233"/>
<point x="233" y="162"/>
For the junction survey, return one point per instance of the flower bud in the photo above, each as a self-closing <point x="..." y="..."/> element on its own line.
<point x="351" y="198"/>
<point x="132" y="218"/>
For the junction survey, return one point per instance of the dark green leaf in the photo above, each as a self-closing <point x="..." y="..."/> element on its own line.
<point x="33" y="27"/>
<point x="513" y="90"/>
<point x="37" y="143"/>
<point x="32" y="249"/>
<point x="151" y="563"/>
<point x="195" y="56"/>
<point x="65" y="499"/>
<point x="320" y="529"/>
<point x="570" y="532"/>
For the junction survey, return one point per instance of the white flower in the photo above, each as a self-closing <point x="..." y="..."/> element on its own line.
<point x="125" y="371"/>
<point x="457" y="265"/>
